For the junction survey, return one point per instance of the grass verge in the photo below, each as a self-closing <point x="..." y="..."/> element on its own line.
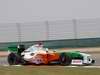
<point x="48" y="70"/>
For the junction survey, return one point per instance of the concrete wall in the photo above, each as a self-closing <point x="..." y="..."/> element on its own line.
<point x="69" y="43"/>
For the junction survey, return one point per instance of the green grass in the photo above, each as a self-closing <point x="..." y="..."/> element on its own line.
<point x="48" y="70"/>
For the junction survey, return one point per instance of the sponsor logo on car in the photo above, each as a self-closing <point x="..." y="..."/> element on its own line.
<point x="77" y="62"/>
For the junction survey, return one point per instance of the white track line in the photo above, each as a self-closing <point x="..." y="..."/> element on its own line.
<point x="84" y="66"/>
<point x="91" y="66"/>
<point x="72" y="66"/>
<point x="11" y="65"/>
<point x="63" y="66"/>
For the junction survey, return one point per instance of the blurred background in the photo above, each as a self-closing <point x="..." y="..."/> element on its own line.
<point x="57" y="23"/>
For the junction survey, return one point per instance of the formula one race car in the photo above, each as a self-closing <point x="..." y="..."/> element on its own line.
<point x="36" y="54"/>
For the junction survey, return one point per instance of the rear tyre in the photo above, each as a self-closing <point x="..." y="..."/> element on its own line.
<point x="65" y="59"/>
<point x="13" y="59"/>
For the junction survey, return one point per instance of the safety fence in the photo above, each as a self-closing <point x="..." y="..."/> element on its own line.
<point x="60" y="33"/>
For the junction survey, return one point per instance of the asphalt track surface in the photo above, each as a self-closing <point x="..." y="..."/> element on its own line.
<point x="96" y="56"/>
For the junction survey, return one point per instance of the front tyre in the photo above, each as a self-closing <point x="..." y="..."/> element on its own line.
<point x="13" y="59"/>
<point x="65" y="59"/>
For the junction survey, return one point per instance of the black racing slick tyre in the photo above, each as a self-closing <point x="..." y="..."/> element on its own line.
<point x="13" y="59"/>
<point x="65" y="59"/>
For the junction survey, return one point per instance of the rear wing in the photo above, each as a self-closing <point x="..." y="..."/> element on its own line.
<point x="16" y="48"/>
<point x="13" y="48"/>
